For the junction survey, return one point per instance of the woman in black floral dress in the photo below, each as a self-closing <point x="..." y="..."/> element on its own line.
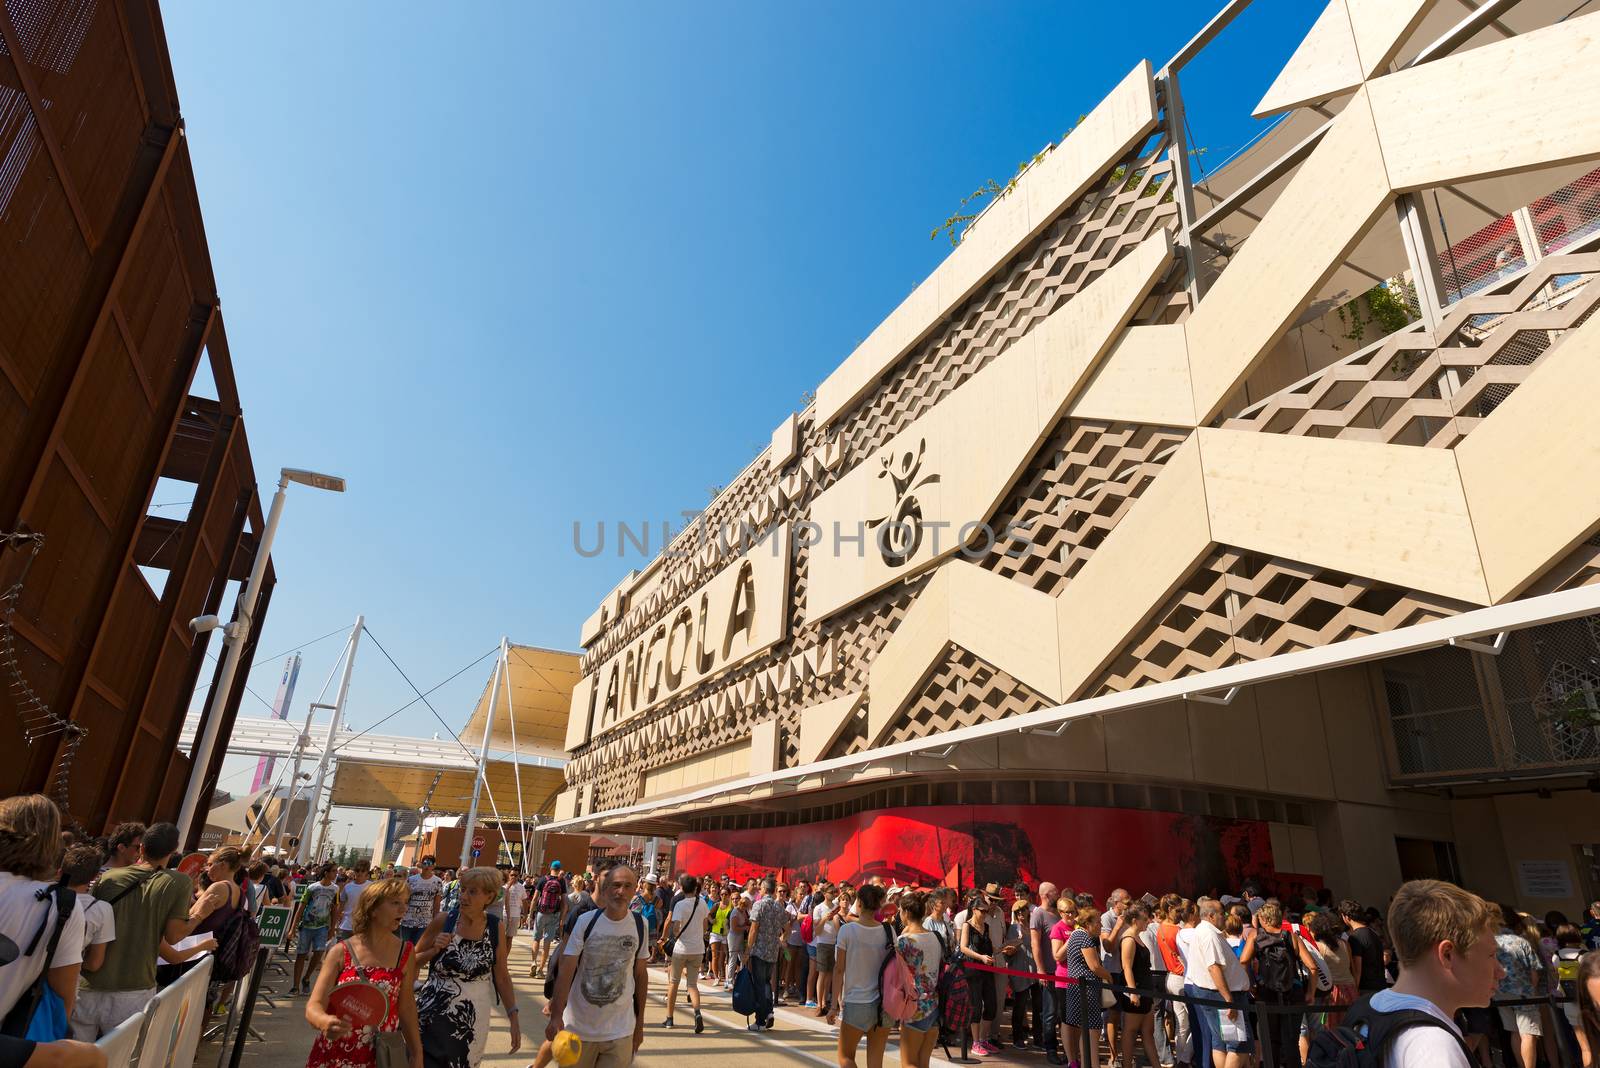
<point x="454" y="1004"/>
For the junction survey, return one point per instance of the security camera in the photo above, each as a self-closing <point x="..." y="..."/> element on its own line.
<point x="204" y="624"/>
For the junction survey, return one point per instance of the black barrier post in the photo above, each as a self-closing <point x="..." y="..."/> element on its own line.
<point x="1264" y="1032"/>
<point x="1085" y="1039"/>
<point x="249" y="1007"/>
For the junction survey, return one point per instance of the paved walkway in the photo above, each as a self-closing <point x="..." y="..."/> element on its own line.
<point x="799" y="1038"/>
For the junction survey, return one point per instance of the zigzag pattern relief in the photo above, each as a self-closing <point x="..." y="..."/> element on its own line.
<point x="1084" y="480"/>
<point x="1133" y="201"/>
<point x="1239" y="606"/>
<point x="1413" y="389"/>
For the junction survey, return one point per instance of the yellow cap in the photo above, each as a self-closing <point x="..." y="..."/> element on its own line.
<point x="566" y="1048"/>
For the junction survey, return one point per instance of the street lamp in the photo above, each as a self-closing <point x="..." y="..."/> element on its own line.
<point x="234" y="637"/>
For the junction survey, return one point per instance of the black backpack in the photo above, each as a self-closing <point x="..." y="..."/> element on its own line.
<point x="1276" y="967"/>
<point x="238" y="941"/>
<point x="1363" y="1039"/>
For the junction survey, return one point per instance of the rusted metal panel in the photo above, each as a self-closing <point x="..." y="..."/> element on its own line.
<point x="108" y="303"/>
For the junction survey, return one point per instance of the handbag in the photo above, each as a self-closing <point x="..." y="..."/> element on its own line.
<point x="389" y="1050"/>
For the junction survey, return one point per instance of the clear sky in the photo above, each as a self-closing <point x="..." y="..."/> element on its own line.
<point x="510" y="266"/>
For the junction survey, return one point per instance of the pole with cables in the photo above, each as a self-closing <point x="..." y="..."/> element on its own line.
<point x="235" y="634"/>
<point x="333" y="738"/>
<point x="483" y="756"/>
<point x="516" y="756"/>
<point x="286" y="810"/>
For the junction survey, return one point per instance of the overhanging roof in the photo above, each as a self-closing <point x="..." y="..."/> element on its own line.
<point x="666" y="814"/>
<point x="530" y="714"/>
<point x="363" y="785"/>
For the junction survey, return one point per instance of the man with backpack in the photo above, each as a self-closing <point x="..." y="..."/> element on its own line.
<point x="1278" y="981"/>
<point x="769" y="921"/>
<point x="598" y="996"/>
<point x="550" y="909"/>
<point x="1444" y="939"/>
<point x="149" y="905"/>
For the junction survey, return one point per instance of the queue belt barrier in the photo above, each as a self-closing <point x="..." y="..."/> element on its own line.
<point x="166" y="1033"/>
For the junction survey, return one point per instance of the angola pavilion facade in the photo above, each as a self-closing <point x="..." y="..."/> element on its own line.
<point x="1115" y="556"/>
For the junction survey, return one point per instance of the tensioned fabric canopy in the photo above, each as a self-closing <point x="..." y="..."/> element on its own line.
<point x="534" y="698"/>
<point x="447" y="791"/>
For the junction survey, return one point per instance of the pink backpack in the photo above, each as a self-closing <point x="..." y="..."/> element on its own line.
<point x="896" y="985"/>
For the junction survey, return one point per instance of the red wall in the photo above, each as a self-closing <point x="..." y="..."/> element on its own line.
<point x="1093" y="849"/>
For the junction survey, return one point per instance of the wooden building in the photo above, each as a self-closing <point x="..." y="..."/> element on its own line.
<point x="109" y="311"/>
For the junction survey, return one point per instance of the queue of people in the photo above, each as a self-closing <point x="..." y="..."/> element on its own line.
<point x="1155" y="980"/>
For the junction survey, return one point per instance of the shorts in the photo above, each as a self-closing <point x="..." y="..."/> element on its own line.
<point x="1213" y="1021"/>
<point x="825" y="952"/>
<point x="811" y="951"/>
<point x="411" y="934"/>
<point x="344" y="932"/>
<point x="615" y="1053"/>
<point x="99" y="1012"/>
<point x="547" y="928"/>
<point x="923" y="1023"/>
<point x="311" y="940"/>
<point x="863" y="1016"/>
<point x="718" y="940"/>
<point x="1124" y="1005"/>
<point x="687" y="967"/>
<point x="1523" y="1019"/>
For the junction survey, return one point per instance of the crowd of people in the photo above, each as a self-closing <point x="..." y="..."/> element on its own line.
<point x="90" y="930"/>
<point x="1160" y="980"/>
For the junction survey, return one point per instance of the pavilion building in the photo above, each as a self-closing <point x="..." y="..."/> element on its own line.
<point x="1170" y="532"/>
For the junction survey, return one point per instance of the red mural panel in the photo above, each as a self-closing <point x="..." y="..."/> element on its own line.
<point x="1093" y="849"/>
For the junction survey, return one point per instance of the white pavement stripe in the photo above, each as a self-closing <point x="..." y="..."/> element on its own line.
<point x="803" y="1020"/>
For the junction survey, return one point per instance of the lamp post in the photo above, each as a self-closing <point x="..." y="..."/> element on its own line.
<point x="234" y="637"/>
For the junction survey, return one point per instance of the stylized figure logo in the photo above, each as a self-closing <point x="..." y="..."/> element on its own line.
<point x="901" y="535"/>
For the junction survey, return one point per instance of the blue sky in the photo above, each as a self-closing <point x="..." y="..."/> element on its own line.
<point x="529" y="264"/>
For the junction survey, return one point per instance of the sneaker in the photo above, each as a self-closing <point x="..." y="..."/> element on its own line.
<point x="667" y="1022"/>
<point x="981" y="1049"/>
<point x="810" y="1005"/>
<point x="699" y="1023"/>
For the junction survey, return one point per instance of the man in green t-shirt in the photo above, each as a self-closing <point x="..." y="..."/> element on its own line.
<point x="317" y="911"/>
<point x="151" y="905"/>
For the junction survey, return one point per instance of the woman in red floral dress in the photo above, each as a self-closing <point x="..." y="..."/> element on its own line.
<point x="376" y="953"/>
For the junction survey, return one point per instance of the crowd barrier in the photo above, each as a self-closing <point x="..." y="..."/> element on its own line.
<point x="167" y="1033"/>
<point x="1259" y="1013"/>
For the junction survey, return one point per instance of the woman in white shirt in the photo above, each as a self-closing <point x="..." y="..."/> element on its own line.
<point x="858" y="960"/>
<point x="30" y="851"/>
